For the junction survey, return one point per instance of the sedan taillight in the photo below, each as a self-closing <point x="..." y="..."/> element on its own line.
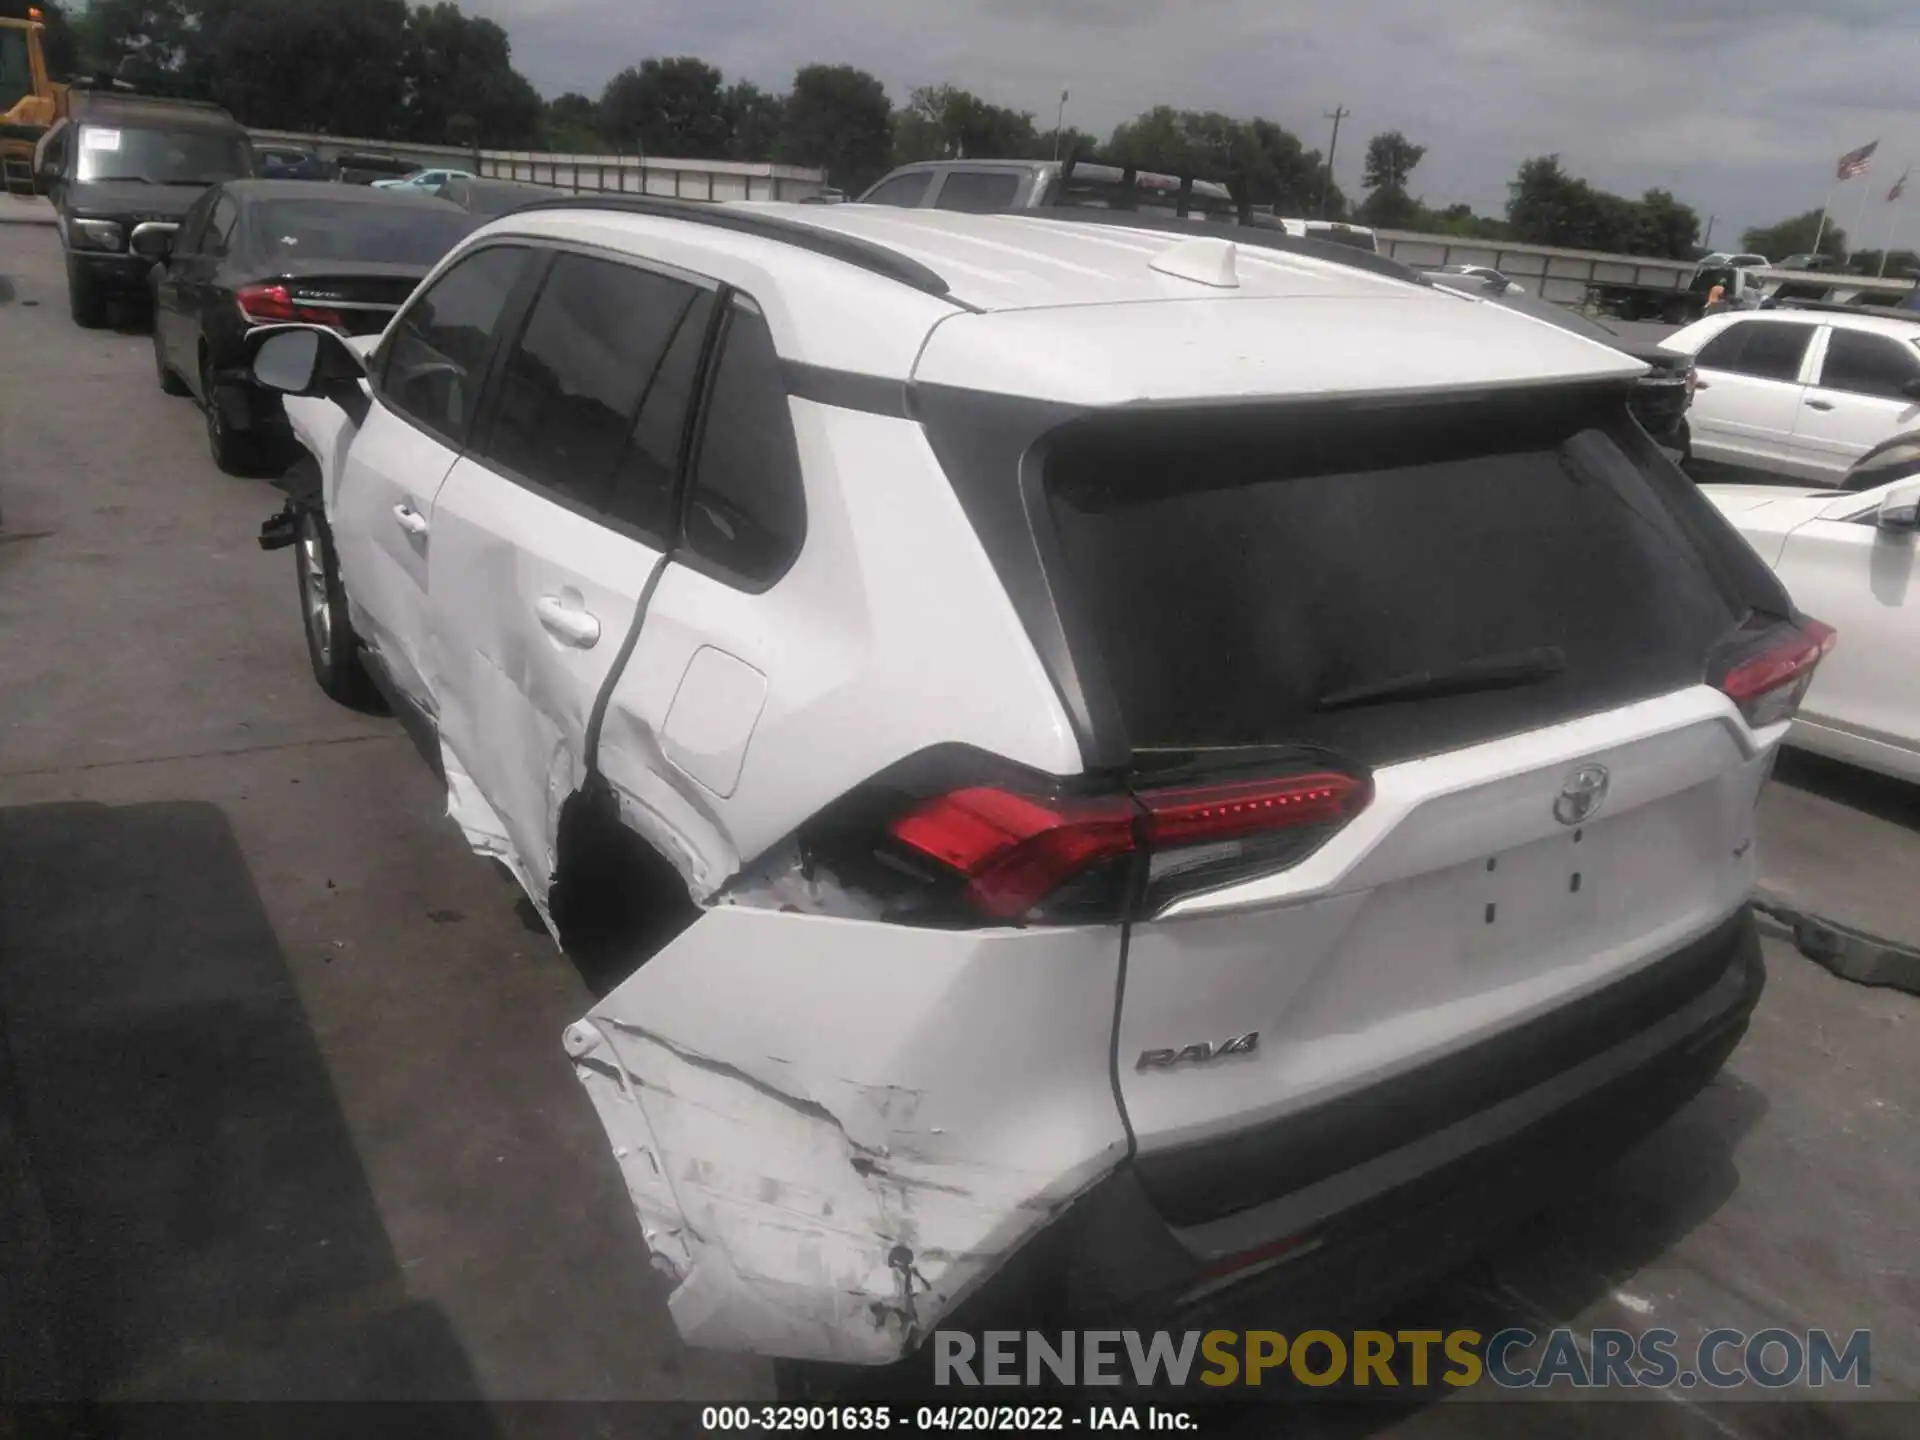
<point x="275" y="305"/>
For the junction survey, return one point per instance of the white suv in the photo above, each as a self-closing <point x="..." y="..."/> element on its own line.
<point x="1801" y="391"/>
<point x="1184" y="760"/>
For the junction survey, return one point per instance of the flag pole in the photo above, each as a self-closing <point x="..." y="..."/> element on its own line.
<point x="1821" y="233"/>
<point x="1893" y="229"/>
<point x="1859" y="219"/>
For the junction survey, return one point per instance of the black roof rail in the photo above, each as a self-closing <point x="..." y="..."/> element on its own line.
<point x="1128" y="189"/>
<point x="1254" y="236"/>
<point x="850" y="249"/>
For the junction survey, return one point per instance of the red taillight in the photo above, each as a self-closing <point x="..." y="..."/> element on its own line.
<point x="1769" y="685"/>
<point x="1226" y="812"/>
<point x="274" y="305"/>
<point x="1014" y="851"/>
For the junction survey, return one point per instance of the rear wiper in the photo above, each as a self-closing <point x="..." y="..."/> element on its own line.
<point x="1489" y="672"/>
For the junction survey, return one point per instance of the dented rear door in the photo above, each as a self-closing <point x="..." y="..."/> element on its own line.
<point x="547" y="535"/>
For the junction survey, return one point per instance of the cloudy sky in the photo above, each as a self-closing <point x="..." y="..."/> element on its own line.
<point x="1739" y="106"/>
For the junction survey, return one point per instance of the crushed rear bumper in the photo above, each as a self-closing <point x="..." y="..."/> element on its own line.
<point x="1413" y="1203"/>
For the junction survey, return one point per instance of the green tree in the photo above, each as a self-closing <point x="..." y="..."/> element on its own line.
<point x="1460" y="220"/>
<point x="296" y="65"/>
<point x="1391" y="158"/>
<point x="754" y="118"/>
<point x="141" y="41"/>
<point x="1260" y="162"/>
<point x="457" y="64"/>
<point x="1665" y="227"/>
<point x="943" y="121"/>
<point x="571" y="126"/>
<point x="1794" y="236"/>
<point x="671" y="107"/>
<point x="839" y="119"/>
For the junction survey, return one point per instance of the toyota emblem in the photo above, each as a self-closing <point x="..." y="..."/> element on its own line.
<point x="1581" y="797"/>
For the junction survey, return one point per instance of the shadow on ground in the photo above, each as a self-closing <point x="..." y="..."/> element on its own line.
<point x="185" y="1216"/>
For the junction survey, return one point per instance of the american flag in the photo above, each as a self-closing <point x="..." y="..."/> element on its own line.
<point x="1856" y="162"/>
<point x="1899" y="186"/>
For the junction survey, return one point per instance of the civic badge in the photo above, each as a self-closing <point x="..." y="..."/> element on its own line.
<point x="1582" y="795"/>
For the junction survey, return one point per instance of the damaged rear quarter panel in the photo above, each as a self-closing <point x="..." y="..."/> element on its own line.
<point x="832" y="1129"/>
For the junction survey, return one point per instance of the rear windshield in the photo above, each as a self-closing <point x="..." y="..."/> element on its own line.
<point x="160" y="156"/>
<point x="329" y="230"/>
<point x="1392" y="582"/>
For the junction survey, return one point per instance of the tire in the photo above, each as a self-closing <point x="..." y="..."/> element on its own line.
<point x="233" y="452"/>
<point x="170" y="381"/>
<point x="332" y="648"/>
<point x="84" y="300"/>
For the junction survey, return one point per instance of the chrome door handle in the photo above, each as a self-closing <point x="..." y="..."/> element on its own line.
<point x="1819" y="404"/>
<point x="409" y="519"/>
<point x="568" y="624"/>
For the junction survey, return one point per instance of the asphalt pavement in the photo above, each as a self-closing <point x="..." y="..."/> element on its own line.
<point x="283" y="1108"/>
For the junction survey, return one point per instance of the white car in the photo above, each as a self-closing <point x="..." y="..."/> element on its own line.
<point x="1853" y="558"/>
<point x="1801" y="392"/>
<point x="428" y="180"/>
<point x="1184" y="765"/>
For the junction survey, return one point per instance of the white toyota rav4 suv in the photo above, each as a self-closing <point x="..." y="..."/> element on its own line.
<point x="1183" y="760"/>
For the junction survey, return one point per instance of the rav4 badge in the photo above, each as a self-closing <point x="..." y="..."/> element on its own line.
<point x="1199" y="1054"/>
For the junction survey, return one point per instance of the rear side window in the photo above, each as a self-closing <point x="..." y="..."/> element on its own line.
<point x="1868" y="365"/>
<point x="746" y="507"/>
<point x="1764" y="349"/>
<point x="1390" y="584"/>
<point x="572" y="385"/>
<point x="903" y="190"/>
<point x="979" y="192"/>
<point x="436" y="354"/>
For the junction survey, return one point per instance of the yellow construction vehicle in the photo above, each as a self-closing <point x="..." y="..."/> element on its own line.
<point x="30" y="100"/>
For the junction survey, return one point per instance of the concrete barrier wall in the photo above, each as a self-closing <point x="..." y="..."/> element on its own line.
<point x="1550" y="271"/>
<point x="598" y="174"/>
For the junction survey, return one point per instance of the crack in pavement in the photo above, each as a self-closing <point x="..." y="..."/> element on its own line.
<point x="194" y="755"/>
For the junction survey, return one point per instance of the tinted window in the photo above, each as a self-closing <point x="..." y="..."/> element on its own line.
<point x="16" y="73"/>
<point x="980" y="192"/>
<point x="573" y="384"/>
<point x="1276" y="577"/>
<point x="746" y="508"/>
<point x="903" y="190"/>
<point x="336" y="230"/>
<point x="436" y="356"/>
<point x="160" y="157"/>
<point x="1765" y="349"/>
<point x="1868" y="364"/>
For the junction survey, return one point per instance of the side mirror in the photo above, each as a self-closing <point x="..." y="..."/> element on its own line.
<point x="302" y="360"/>
<point x="153" y="242"/>
<point x="1900" y="508"/>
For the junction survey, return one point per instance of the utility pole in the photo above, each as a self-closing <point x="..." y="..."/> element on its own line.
<point x="1706" y="240"/>
<point x="1059" y="122"/>
<point x="1336" y="115"/>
